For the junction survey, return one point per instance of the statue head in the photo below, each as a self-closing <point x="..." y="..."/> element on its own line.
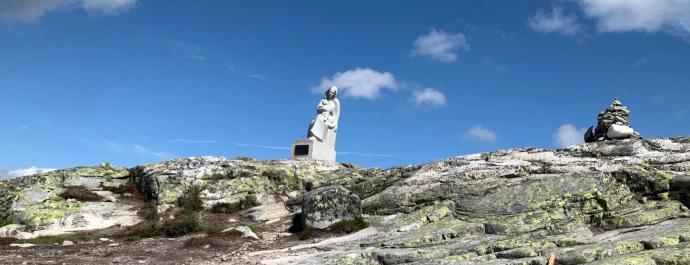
<point x="331" y="92"/>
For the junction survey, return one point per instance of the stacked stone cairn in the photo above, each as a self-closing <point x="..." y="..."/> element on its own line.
<point x="612" y="124"/>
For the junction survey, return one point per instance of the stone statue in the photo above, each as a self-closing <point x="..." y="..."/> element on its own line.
<point x="612" y="123"/>
<point x="324" y="127"/>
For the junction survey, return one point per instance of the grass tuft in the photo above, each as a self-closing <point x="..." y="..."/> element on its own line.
<point x="80" y="193"/>
<point x="182" y="225"/>
<point x="306" y="233"/>
<point x="349" y="226"/>
<point x="191" y="200"/>
<point x="224" y="207"/>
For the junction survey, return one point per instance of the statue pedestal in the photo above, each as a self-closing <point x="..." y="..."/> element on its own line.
<point x="312" y="150"/>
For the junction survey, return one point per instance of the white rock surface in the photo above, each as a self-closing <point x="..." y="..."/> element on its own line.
<point x="620" y="131"/>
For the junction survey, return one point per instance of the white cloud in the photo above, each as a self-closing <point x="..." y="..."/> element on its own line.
<point x="262" y="146"/>
<point x="108" y="7"/>
<point x="639" y="15"/>
<point x="359" y="83"/>
<point x="3" y="173"/>
<point x="367" y="154"/>
<point x="440" y="46"/>
<point x="192" y="141"/>
<point x="143" y="151"/>
<point x="555" y="22"/>
<point x="428" y="96"/>
<point x="28" y="11"/>
<point x="27" y="171"/>
<point x="258" y="76"/>
<point x="481" y="134"/>
<point x="568" y="135"/>
<point x="681" y="114"/>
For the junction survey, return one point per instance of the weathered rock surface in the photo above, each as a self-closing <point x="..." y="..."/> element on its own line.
<point x="328" y="205"/>
<point x="607" y="202"/>
<point x="31" y="206"/>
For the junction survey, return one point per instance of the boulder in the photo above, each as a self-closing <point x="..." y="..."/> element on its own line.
<point x="328" y="205"/>
<point x="620" y="131"/>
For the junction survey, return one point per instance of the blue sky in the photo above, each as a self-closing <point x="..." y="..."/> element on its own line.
<point x="135" y="81"/>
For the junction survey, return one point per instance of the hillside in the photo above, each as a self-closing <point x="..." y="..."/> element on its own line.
<point x="611" y="202"/>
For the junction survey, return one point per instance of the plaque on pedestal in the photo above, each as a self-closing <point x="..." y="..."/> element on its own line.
<point x="312" y="150"/>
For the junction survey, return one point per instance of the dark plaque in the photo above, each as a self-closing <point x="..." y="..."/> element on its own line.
<point x="301" y="150"/>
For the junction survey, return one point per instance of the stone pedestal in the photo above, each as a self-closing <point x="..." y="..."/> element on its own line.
<point x="312" y="150"/>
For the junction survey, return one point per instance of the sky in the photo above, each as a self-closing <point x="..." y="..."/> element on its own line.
<point x="137" y="81"/>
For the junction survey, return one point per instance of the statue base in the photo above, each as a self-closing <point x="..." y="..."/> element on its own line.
<point x="312" y="150"/>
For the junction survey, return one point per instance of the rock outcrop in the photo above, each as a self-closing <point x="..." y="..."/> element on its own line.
<point x="606" y="202"/>
<point x="33" y="205"/>
<point x="328" y="205"/>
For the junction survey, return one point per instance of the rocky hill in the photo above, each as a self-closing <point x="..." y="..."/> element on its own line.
<point x="611" y="202"/>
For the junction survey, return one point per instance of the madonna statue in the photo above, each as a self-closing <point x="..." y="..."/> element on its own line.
<point x="325" y="125"/>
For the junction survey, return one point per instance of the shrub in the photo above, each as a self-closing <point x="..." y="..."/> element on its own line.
<point x="51" y="240"/>
<point x="256" y="228"/>
<point x="224" y="207"/>
<point x="191" y="200"/>
<point x="149" y="211"/>
<point x="129" y="187"/>
<point x="306" y="233"/>
<point x="214" y="240"/>
<point x="4" y="241"/>
<point x="133" y="238"/>
<point x="80" y="193"/>
<point x="348" y="226"/>
<point x="182" y="225"/>
<point x="146" y="229"/>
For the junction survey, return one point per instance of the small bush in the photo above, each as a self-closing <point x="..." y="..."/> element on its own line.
<point x="256" y="228"/>
<point x="181" y="225"/>
<point x="213" y="240"/>
<point x="306" y="233"/>
<point x="224" y="207"/>
<point x="149" y="211"/>
<point x="349" y="226"/>
<point x="129" y="187"/>
<point x="51" y="240"/>
<point x="143" y="230"/>
<point x="80" y="193"/>
<point x="191" y="200"/>
<point x="4" y="241"/>
<point x="133" y="238"/>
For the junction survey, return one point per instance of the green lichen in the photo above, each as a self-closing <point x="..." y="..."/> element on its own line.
<point x="48" y="212"/>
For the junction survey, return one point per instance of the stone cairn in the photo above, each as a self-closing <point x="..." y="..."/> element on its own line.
<point x="612" y="123"/>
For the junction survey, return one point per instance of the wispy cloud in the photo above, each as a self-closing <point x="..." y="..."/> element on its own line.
<point x="23" y="127"/>
<point x="555" y="22"/>
<point x="24" y="172"/>
<point x="480" y="134"/>
<point x="682" y="114"/>
<point x="489" y="62"/>
<point x="143" y="151"/>
<point x="30" y="11"/>
<point x="367" y="154"/>
<point x="193" y="141"/>
<point x="196" y="57"/>
<point x="359" y="83"/>
<point x="189" y="50"/>
<point x="3" y="173"/>
<point x="258" y="76"/>
<point x="440" y="46"/>
<point x="428" y="97"/>
<point x="568" y="135"/>
<point x="262" y="146"/>
<point x="640" y="62"/>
